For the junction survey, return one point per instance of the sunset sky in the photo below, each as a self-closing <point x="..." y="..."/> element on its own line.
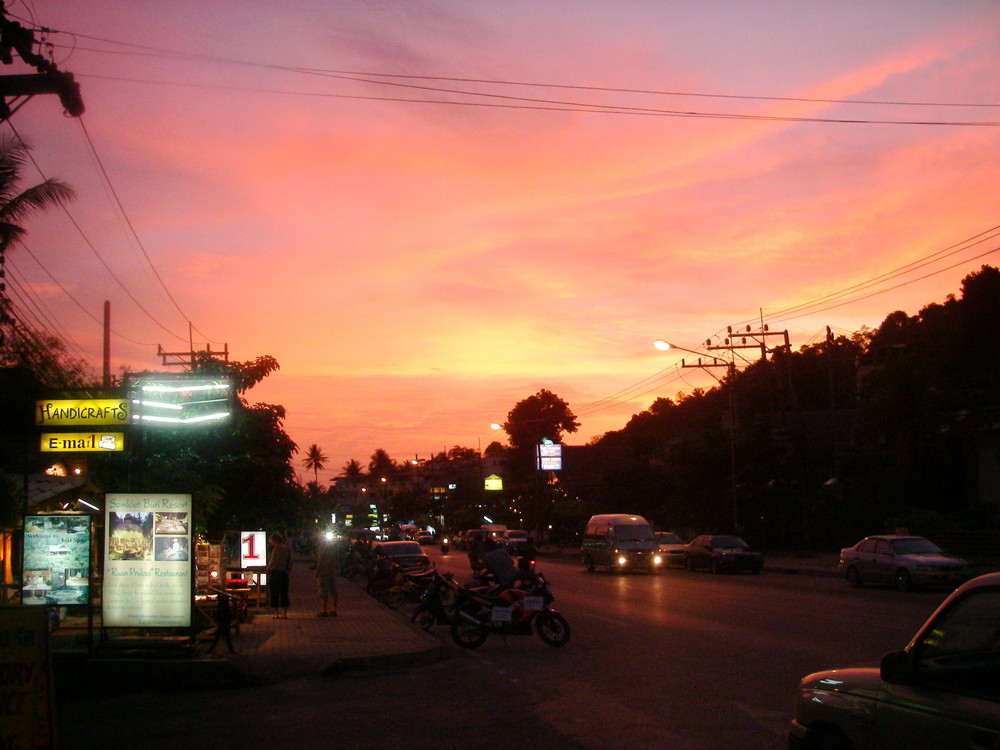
<point x="428" y="210"/>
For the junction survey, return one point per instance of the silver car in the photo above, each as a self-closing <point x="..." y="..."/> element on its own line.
<point x="901" y="561"/>
<point x="942" y="692"/>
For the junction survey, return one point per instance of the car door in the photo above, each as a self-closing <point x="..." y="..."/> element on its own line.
<point x="953" y="700"/>
<point x="883" y="562"/>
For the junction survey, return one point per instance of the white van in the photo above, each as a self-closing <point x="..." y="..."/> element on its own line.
<point x="621" y="541"/>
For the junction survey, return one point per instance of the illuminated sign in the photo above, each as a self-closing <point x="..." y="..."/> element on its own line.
<point x="180" y="399"/>
<point x="56" y="560"/>
<point x="84" y="411"/>
<point x="79" y="442"/>
<point x="147" y="561"/>
<point x="253" y="549"/>
<point x="493" y="482"/>
<point x="549" y="457"/>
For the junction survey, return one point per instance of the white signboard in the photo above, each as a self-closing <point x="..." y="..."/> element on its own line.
<point x="549" y="457"/>
<point x="253" y="549"/>
<point x="147" y="561"/>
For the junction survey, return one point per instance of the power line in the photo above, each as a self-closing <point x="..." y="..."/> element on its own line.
<point x="93" y="249"/>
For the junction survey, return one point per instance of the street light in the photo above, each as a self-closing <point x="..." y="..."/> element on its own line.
<point x="664" y="345"/>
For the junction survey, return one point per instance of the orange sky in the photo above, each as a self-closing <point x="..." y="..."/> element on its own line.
<point x="418" y="267"/>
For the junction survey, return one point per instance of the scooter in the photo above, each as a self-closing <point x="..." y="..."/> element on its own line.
<point x="437" y="603"/>
<point x="444" y="545"/>
<point x="515" y="611"/>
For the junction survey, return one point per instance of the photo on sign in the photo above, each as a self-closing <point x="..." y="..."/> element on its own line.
<point x="171" y="549"/>
<point x="130" y="536"/>
<point x="171" y="523"/>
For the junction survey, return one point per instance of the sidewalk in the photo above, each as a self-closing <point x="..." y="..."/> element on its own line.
<point x="364" y="634"/>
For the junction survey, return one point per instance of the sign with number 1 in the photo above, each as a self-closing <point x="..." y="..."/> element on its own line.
<point x="253" y="549"/>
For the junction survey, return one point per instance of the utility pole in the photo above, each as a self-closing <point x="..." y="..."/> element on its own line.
<point x="48" y="80"/>
<point x="188" y="359"/>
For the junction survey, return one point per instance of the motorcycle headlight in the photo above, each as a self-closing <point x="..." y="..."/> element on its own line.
<point x="657" y="559"/>
<point x="622" y="559"/>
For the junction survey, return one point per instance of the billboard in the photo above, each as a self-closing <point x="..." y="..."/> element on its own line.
<point x="56" y="560"/>
<point x="147" y="560"/>
<point x="549" y="457"/>
<point x="180" y="399"/>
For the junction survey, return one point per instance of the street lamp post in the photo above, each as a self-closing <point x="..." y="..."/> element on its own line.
<point x="664" y="346"/>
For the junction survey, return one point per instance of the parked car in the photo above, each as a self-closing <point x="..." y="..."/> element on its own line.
<point x="671" y="548"/>
<point x="941" y="691"/>
<point x="514" y="541"/>
<point x="423" y="537"/>
<point x="902" y="561"/>
<point x="407" y="555"/>
<point x="722" y="553"/>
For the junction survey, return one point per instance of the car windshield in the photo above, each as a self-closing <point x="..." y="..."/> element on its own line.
<point x="517" y="535"/>
<point x="633" y="533"/>
<point x="728" y="542"/>
<point x="402" y="549"/>
<point x="665" y="538"/>
<point x="915" y="546"/>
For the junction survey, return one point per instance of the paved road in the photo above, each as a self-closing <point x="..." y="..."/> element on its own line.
<point x="694" y="660"/>
<point x="681" y="660"/>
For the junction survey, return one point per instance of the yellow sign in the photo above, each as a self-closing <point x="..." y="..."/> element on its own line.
<point x="85" y="411"/>
<point x="493" y="482"/>
<point x="75" y="442"/>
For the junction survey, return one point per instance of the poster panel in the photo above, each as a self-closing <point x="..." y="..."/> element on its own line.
<point x="147" y="561"/>
<point x="56" y="560"/>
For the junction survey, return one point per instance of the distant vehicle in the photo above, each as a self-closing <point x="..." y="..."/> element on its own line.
<point x="470" y="536"/>
<point x="902" y="561"/>
<point x="423" y="537"/>
<point x="407" y="555"/>
<point x="494" y="531"/>
<point x="514" y="541"/>
<point x="722" y="553"/>
<point x="671" y="548"/>
<point x="620" y="541"/>
<point x="941" y="691"/>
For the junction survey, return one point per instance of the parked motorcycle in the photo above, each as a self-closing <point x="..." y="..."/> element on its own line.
<point x="437" y="603"/>
<point x="514" y="611"/>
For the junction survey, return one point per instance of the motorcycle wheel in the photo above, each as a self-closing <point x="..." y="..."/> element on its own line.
<point x="552" y="628"/>
<point x="394" y="598"/>
<point x="425" y="619"/>
<point x="468" y="634"/>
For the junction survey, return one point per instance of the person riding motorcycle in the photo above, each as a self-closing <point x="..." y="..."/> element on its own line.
<point x="501" y="565"/>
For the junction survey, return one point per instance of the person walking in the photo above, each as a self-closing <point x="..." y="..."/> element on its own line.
<point x="327" y="565"/>
<point x="279" y="568"/>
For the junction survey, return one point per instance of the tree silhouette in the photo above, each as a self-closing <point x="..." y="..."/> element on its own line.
<point x="315" y="460"/>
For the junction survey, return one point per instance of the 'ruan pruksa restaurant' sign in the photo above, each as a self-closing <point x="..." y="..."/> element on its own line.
<point x="81" y="412"/>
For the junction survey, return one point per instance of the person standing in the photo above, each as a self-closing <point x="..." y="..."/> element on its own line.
<point x="327" y="565"/>
<point x="279" y="568"/>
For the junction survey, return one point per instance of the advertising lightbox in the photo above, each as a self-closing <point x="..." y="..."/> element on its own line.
<point x="549" y="457"/>
<point x="180" y="399"/>
<point x="56" y="560"/>
<point x="147" y="561"/>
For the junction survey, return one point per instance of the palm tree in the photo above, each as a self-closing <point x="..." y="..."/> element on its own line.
<point x="16" y="206"/>
<point x="315" y="460"/>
